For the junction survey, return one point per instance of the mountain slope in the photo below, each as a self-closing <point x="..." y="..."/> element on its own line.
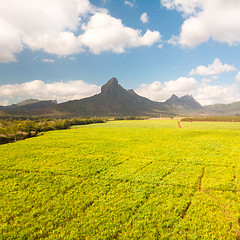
<point x="223" y="109"/>
<point x="27" y="101"/>
<point x="186" y="101"/>
<point x="28" y="107"/>
<point x="113" y="100"/>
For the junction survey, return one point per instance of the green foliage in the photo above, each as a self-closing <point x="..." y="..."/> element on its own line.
<point x="123" y="180"/>
<point x="212" y="119"/>
<point x="12" y="129"/>
<point x="129" y="118"/>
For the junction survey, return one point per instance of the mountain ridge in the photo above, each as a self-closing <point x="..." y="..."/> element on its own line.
<point x="186" y="101"/>
<point x="114" y="100"/>
<point x="28" y="106"/>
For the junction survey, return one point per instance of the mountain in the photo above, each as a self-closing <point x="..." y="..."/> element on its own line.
<point x="28" y="107"/>
<point x="113" y="100"/>
<point x="186" y="101"/>
<point x="173" y="100"/>
<point x="223" y="109"/>
<point x="27" y="101"/>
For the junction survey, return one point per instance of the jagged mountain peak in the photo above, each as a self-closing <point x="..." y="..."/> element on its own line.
<point x="113" y="100"/>
<point x="111" y="86"/>
<point x="187" y="97"/>
<point x="186" y="101"/>
<point x="173" y="100"/>
<point x="174" y="97"/>
<point x="113" y="80"/>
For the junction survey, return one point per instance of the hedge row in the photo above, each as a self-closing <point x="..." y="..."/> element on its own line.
<point x="15" y="130"/>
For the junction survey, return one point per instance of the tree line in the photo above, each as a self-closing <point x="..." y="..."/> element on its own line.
<point x="212" y="119"/>
<point x="18" y="128"/>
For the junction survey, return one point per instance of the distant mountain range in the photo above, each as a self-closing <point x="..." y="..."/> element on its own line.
<point x="186" y="101"/>
<point x="114" y="100"/>
<point x="28" y="107"/>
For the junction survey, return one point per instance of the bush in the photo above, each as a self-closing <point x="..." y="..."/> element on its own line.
<point x="17" y="129"/>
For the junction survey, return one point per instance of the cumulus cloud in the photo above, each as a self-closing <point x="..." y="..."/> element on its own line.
<point x="60" y="91"/>
<point x="173" y="40"/>
<point x="144" y="18"/>
<point x="130" y="3"/>
<point x="213" y="94"/>
<point x="52" y="26"/>
<point x="188" y="7"/>
<point x="105" y="33"/>
<point x="61" y="43"/>
<point x="158" y="91"/>
<point x="10" y="42"/>
<point x="215" y="68"/>
<point x="203" y="92"/>
<point x="216" y="19"/>
<point x="40" y="24"/>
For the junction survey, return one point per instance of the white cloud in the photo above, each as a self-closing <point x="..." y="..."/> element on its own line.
<point x="105" y="33"/>
<point x="61" y="44"/>
<point x="60" y="91"/>
<point x="48" y="60"/>
<point x="208" y="95"/>
<point x="188" y="7"/>
<point x="144" y="18"/>
<point x="216" y="19"/>
<point x="193" y="32"/>
<point x="204" y="93"/>
<point x="40" y="24"/>
<point x="10" y="42"/>
<point x="238" y="77"/>
<point x="182" y="84"/>
<point x="130" y="3"/>
<point x="52" y="26"/>
<point x="215" y="68"/>
<point x="4" y="103"/>
<point x="158" y="91"/>
<point x="173" y="40"/>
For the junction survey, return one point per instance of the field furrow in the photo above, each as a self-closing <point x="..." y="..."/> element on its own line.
<point x="122" y="180"/>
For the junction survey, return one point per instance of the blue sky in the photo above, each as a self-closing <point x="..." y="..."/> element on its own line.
<point x="67" y="49"/>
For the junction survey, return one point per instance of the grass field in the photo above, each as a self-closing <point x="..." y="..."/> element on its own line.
<point x="123" y="180"/>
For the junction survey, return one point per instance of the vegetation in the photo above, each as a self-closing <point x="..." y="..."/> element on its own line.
<point x="130" y="118"/>
<point x="212" y="119"/>
<point x="123" y="180"/>
<point x="18" y="128"/>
